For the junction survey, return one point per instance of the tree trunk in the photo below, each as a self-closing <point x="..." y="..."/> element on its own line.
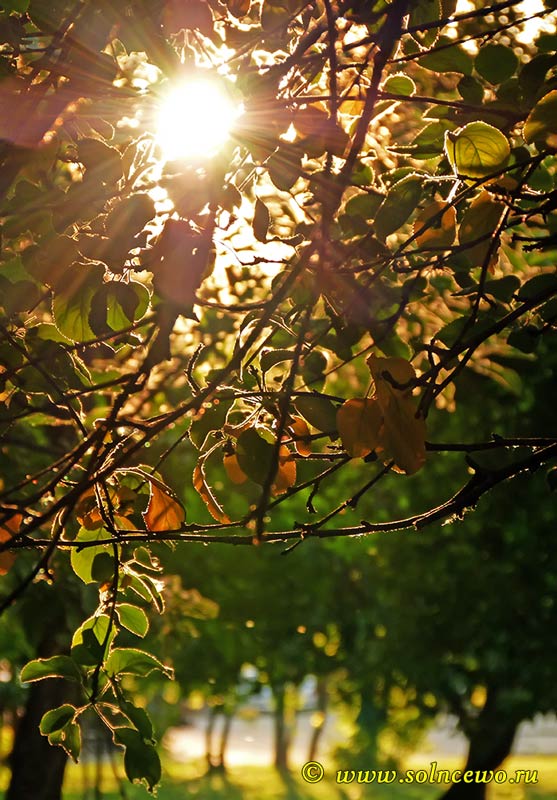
<point x="318" y="729"/>
<point x="37" y="768"/>
<point x="489" y="746"/>
<point x="224" y="736"/>
<point x="281" y="731"/>
<point x="209" y="737"/>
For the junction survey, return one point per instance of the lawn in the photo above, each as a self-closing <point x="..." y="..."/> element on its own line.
<point x="260" y="783"/>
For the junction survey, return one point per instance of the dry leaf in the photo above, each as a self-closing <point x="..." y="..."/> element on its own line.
<point x="204" y="490"/>
<point x="300" y="433"/>
<point x="233" y="469"/>
<point x="164" y="512"/>
<point x="440" y="233"/>
<point x="359" y="422"/>
<point x="7" y="531"/>
<point x="286" y="471"/>
<point x="400" y="370"/>
<point x="403" y="433"/>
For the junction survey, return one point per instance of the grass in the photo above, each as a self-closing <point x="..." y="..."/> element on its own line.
<point x="187" y="781"/>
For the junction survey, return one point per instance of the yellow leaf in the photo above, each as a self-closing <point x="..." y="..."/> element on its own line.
<point x="233" y="469"/>
<point x="164" y="513"/>
<point x="286" y="471"/>
<point x="359" y="421"/>
<point x="400" y="370"/>
<point x="403" y="433"/>
<point x="7" y="531"/>
<point x="204" y="490"/>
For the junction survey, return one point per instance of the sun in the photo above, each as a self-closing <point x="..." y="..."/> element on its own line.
<point x="195" y="119"/>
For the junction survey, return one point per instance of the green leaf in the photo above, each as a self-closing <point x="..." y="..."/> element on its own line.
<point x="477" y="150"/>
<point x="447" y="57"/>
<point x="115" y="305"/>
<point x="503" y="289"/>
<point x="19" y="6"/>
<point x="103" y="163"/>
<point x="539" y="284"/>
<point x="129" y="661"/>
<point x="261" y="221"/>
<point x="68" y="738"/>
<point x="320" y="412"/>
<point x="129" y="217"/>
<point x="133" y="618"/>
<point x="91" y="641"/>
<point x="56" y="718"/>
<point x="54" y="667"/>
<point x="285" y="167"/>
<point x="399" y="84"/>
<point x="541" y="125"/>
<point x="72" y="301"/>
<point x="401" y="200"/>
<point x="141" y="759"/>
<point x="470" y="90"/>
<point x="139" y="718"/>
<point x="82" y="560"/>
<point x="496" y="63"/>
<point x="551" y="478"/>
<point x="254" y="455"/>
<point x="525" y="339"/>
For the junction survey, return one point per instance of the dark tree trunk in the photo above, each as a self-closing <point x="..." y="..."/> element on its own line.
<point x="281" y="731"/>
<point x="489" y="745"/>
<point x="209" y="737"/>
<point x="225" y="735"/>
<point x="317" y="731"/>
<point x="37" y="768"/>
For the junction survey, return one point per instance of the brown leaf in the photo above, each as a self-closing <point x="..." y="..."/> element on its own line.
<point x="7" y="531"/>
<point x="286" y="471"/>
<point x="188" y="15"/>
<point x="238" y="8"/>
<point x="164" y="512"/>
<point x="233" y="469"/>
<point x="359" y="422"/>
<point x="440" y="233"/>
<point x="300" y="433"/>
<point x="204" y="490"/>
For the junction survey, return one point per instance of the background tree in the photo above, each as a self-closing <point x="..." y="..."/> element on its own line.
<point x="297" y="306"/>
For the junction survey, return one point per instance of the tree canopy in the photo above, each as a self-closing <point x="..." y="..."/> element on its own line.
<point x="264" y="265"/>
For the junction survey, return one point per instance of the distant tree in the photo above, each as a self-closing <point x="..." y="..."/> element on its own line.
<point x="297" y="304"/>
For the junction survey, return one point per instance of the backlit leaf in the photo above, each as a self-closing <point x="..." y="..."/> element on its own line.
<point x="541" y="125"/>
<point x="401" y="200"/>
<point x="436" y="225"/>
<point x="233" y="470"/>
<point x="477" y="150"/>
<point x="359" y="421"/>
<point x="205" y="492"/>
<point x="141" y="760"/>
<point x="133" y="618"/>
<point x="285" y="476"/>
<point x="54" y="667"/>
<point x="129" y="661"/>
<point x="164" y="512"/>
<point x="8" y="529"/>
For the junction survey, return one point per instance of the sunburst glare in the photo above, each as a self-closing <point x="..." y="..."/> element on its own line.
<point x="195" y="119"/>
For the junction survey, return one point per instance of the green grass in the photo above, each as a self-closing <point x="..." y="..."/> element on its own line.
<point x="186" y="781"/>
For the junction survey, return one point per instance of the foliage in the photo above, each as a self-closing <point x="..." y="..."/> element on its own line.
<point x="297" y="307"/>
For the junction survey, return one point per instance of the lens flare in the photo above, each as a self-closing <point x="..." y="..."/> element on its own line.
<point x="195" y="119"/>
